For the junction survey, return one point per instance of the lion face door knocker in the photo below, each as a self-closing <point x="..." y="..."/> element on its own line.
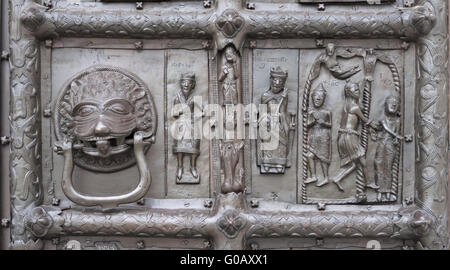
<point x="105" y="120"/>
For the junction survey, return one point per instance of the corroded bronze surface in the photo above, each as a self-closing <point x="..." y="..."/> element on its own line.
<point x="356" y="105"/>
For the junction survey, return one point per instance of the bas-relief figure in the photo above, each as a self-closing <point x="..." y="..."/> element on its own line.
<point x="186" y="144"/>
<point x="351" y="151"/>
<point x="388" y="141"/>
<point x="355" y="124"/>
<point x="319" y="140"/>
<point x="229" y="76"/>
<point x="279" y="124"/>
<point x="329" y="60"/>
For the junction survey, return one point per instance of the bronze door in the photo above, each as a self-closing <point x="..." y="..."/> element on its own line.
<point x="226" y="124"/>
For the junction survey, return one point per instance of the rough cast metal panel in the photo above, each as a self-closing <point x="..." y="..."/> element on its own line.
<point x="356" y="108"/>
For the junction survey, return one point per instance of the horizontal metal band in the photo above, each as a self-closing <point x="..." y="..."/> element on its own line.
<point x="388" y="22"/>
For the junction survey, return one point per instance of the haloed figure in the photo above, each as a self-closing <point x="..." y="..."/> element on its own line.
<point x="319" y="126"/>
<point x="388" y="141"/>
<point x="351" y="152"/>
<point x="185" y="144"/>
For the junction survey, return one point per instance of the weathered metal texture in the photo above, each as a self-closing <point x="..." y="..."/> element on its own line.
<point x="407" y="23"/>
<point x="432" y="125"/>
<point x="25" y="115"/>
<point x="231" y="223"/>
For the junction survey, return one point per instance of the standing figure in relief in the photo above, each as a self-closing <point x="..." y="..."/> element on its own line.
<point x="351" y="151"/>
<point x="228" y="77"/>
<point x="319" y="139"/>
<point x="183" y="109"/>
<point x="388" y="142"/>
<point x="278" y="123"/>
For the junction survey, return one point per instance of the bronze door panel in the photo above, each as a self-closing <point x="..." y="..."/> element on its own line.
<point x="227" y="124"/>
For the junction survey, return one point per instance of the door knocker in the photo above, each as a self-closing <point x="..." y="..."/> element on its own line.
<point x="105" y="121"/>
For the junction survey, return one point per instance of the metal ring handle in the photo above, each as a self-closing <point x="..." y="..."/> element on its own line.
<point x="106" y="202"/>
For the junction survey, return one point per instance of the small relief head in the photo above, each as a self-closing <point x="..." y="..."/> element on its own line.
<point x="230" y="54"/>
<point x="318" y="96"/>
<point x="352" y="90"/>
<point x="187" y="83"/>
<point x="331" y="48"/>
<point x="277" y="79"/>
<point x="392" y="105"/>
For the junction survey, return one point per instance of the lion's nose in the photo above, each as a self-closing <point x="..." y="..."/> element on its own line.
<point x="101" y="129"/>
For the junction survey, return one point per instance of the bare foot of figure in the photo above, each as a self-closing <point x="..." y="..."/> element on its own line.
<point x="323" y="182"/>
<point x="311" y="180"/>
<point x="373" y="186"/>
<point x="339" y="185"/>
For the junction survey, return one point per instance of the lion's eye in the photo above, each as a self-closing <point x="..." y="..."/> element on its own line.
<point x="85" y="111"/>
<point x="118" y="108"/>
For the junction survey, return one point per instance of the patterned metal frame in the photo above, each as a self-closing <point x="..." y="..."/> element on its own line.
<point x="422" y="219"/>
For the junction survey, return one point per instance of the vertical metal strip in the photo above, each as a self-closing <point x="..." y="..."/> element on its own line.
<point x="215" y="157"/>
<point x="409" y="107"/>
<point x="432" y="121"/>
<point x="246" y="100"/>
<point x="166" y="131"/>
<point x="25" y="113"/>
<point x="4" y="128"/>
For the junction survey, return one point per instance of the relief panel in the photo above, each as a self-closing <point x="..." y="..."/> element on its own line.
<point x="66" y="62"/>
<point x="187" y="156"/>
<point x="354" y="121"/>
<point x="273" y="179"/>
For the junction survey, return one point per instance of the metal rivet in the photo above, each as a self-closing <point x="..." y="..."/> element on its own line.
<point x="321" y="206"/>
<point x="408" y="3"/>
<point x="321" y="7"/>
<point x="141" y="201"/>
<point x="254" y="203"/>
<point x="320" y="43"/>
<point x="55" y="241"/>
<point x="207" y="3"/>
<point x="409" y="201"/>
<point x="48" y="3"/>
<point x="139" y="45"/>
<point x="206" y="44"/>
<point x="252" y="43"/>
<point x="5" y="55"/>
<point x="5" y="222"/>
<point x="48" y="43"/>
<point x="56" y="201"/>
<point x="47" y="112"/>
<point x="250" y="5"/>
<point x="319" y="241"/>
<point x="254" y="246"/>
<point x="5" y="140"/>
<point x="139" y="5"/>
<point x="208" y="203"/>
<point x="207" y="244"/>
<point x="140" y="244"/>
<point x="405" y="45"/>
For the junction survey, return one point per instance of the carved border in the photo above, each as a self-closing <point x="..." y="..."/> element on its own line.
<point x="30" y="22"/>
